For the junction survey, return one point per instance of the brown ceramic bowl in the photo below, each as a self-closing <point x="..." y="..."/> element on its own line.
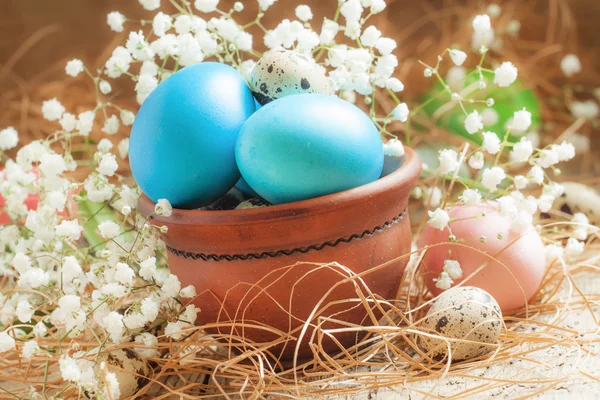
<point x="254" y="270"/>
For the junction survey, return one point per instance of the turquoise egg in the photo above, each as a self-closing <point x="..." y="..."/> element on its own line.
<point x="308" y="145"/>
<point x="182" y="145"/>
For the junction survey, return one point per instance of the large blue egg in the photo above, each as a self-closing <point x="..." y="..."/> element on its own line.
<point x="308" y="145"/>
<point x="182" y="145"/>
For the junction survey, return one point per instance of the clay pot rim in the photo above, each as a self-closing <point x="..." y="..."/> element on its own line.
<point x="403" y="176"/>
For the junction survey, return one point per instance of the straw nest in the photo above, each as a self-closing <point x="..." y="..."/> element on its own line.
<point x="552" y="343"/>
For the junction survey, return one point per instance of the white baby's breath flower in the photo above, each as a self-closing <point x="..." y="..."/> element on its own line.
<point x="115" y="21"/>
<point x="238" y="6"/>
<point x="438" y="219"/>
<point x="369" y="36"/>
<point x="206" y="6"/>
<point x="188" y="292"/>
<point x="127" y="117"/>
<point x="74" y="67"/>
<point x="521" y="182"/>
<point x="491" y="142"/>
<point x="448" y="161"/>
<point x="108" y="229"/>
<point x="570" y="65"/>
<point x="52" y="165"/>
<point x="163" y="208"/>
<point x="574" y="248"/>
<point x="482" y="24"/>
<point x="265" y="4"/>
<point x="506" y="74"/>
<point x="393" y="148"/>
<point x="9" y="138"/>
<point x="304" y="13"/>
<point x="108" y="165"/>
<point x="138" y="47"/>
<point x="443" y="282"/>
<point x="385" y="46"/>
<point x="70" y="230"/>
<point x="24" y="311"/>
<point x="473" y="122"/>
<point x="68" y="122"/>
<point x="145" y="85"/>
<point x="30" y="349"/>
<point x="585" y="109"/>
<point x="118" y="63"/>
<point x="456" y="78"/>
<point x="52" y="110"/>
<point x="394" y="84"/>
<point x="124" y="274"/>
<point x="85" y="122"/>
<point x="521" y="121"/>
<point x="171" y="286"/>
<point x="111" y="125"/>
<point x="458" y="57"/>
<point x="545" y="202"/>
<point x="161" y="24"/>
<point x="113" y="323"/>
<point x="150" y="5"/>
<point x="400" y="112"/>
<point x="123" y="148"/>
<point x="69" y="369"/>
<point x="536" y="174"/>
<point x="104" y="87"/>
<point x="150" y="343"/>
<point x="432" y="197"/>
<point x="328" y="31"/>
<point x="453" y="269"/>
<point x="492" y="177"/>
<point x="580" y="221"/>
<point x="521" y="151"/>
<point x="470" y="197"/>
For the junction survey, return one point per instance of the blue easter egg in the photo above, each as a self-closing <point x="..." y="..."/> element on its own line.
<point x="243" y="187"/>
<point x="308" y="145"/>
<point x="182" y="145"/>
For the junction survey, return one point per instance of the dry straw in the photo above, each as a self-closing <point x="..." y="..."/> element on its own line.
<point x="541" y="347"/>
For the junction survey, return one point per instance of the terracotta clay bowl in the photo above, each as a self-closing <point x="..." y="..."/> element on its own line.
<point x="259" y="274"/>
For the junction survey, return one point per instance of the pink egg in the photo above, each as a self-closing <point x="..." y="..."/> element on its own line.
<point x="511" y="284"/>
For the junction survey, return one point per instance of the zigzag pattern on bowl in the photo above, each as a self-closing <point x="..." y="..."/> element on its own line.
<point x="255" y="256"/>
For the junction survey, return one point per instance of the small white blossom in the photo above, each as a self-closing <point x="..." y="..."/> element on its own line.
<point x="108" y="229"/>
<point x="521" y="182"/>
<point x="438" y="219"/>
<point x="108" y="165"/>
<point x="453" y="269"/>
<point x="85" y="122"/>
<point x="521" y="151"/>
<point x="536" y="174"/>
<point x="369" y="36"/>
<point x="328" y="31"/>
<point x="476" y="161"/>
<point x="506" y="74"/>
<point x="30" y="349"/>
<point x="473" y="122"/>
<point x="52" y="110"/>
<point x="150" y="343"/>
<point x="138" y="47"/>
<point x="124" y="274"/>
<point x="115" y="20"/>
<point x="150" y="5"/>
<point x="385" y="46"/>
<point x="304" y="13"/>
<point x="171" y="286"/>
<point x="74" y="67"/>
<point x="394" y="84"/>
<point x="393" y="148"/>
<point x="188" y="292"/>
<point x="458" y="57"/>
<point x="123" y="148"/>
<point x="113" y="323"/>
<point x="163" y="207"/>
<point x="521" y="121"/>
<point x="69" y="369"/>
<point x="482" y="24"/>
<point x="400" y="112"/>
<point x="433" y="197"/>
<point x="24" y="311"/>
<point x="161" y="24"/>
<point x="443" y="282"/>
<point x="574" y="248"/>
<point x="492" y="177"/>
<point x="6" y="342"/>
<point x="9" y="138"/>
<point x="585" y="109"/>
<point x="127" y="117"/>
<point x="470" y="197"/>
<point x="206" y="6"/>
<point x="104" y="87"/>
<point x="70" y="230"/>
<point x="581" y="222"/>
<point x="148" y="268"/>
<point x="545" y="202"/>
<point x="448" y="161"/>
<point x="111" y="125"/>
<point x="491" y="142"/>
<point x="570" y="65"/>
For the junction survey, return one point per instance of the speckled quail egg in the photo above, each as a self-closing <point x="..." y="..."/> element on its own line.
<point x="469" y="317"/>
<point x="130" y="369"/>
<point x="281" y="73"/>
<point x="578" y="197"/>
<point x="252" y="203"/>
